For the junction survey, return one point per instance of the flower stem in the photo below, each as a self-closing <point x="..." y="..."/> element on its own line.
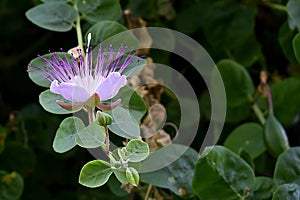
<point x="258" y="113"/>
<point x="270" y="101"/>
<point x="106" y="141"/>
<point x="90" y="114"/>
<point x="78" y="28"/>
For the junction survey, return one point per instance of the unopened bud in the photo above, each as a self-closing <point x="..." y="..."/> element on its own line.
<point x="103" y="118"/>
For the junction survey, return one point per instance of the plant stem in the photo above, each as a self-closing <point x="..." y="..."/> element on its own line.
<point x="78" y="28"/>
<point x="90" y="114"/>
<point x="268" y="91"/>
<point x="259" y="113"/>
<point x="106" y="141"/>
<point x="148" y="192"/>
<point x="275" y="6"/>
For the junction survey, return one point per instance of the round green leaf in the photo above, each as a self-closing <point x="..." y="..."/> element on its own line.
<point x="132" y="102"/>
<point x="176" y="176"/>
<point x="239" y="89"/>
<point x="135" y="67"/>
<point x="238" y="83"/>
<point x="66" y="133"/>
<point x="121" y="176"/>
<point x="99" y="10"/>
<point x="105" y="30"/>
<point x="127" y="115"/>
<point x="95" y="173"/>
<point x="231" y="24"/>
<point x="286" y="99"/>
<point x="91" y="136"/>
<point x="219" y="169"/>
<point x="137" y="150"/>
<point x="123" y="124"/>
<point x="54" y="16"/>
<point x="132" y="176"/>
<point x="287" y="167"/>
<point x="35" y="74"/>
<point x="253" y="49"/>
<point x="247" y="137"/>
<point x="296" y="46"/>
<point x="264" y="188"/>
<point x="285" y="38"/>
<point x="289" y="191"/>
<point x="11" y="185"/>
<point x="294" y="12"/>
<point x="36" y="77"/>
<point x="275" y="136"/>
<point x="48" y="101"/>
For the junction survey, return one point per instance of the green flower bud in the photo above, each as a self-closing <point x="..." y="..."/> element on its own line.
<point x="103" y="118"/>
<point x="132" y="176"/>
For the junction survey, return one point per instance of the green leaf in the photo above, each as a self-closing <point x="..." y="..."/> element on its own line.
<point x="253" y="49"/>
<point x="293" y="11"/>
<point x="289" y="191"/>
<point x="285" y="37"/>
<point x="135" y="67"/>
<point x="247" y="157"/>
<point x="106" y="30"/>
<point x="286" y="99"/>
<point x="132" y="176"/>
<point x="247" y="137"/>
<point x="238" y="86"/>
<point x="91" y="136"/>
<point x="54" y="16"/>
<point x="66" y="133"/>
<point x="275" y="136"/>
<point x="238" y="83"/>
<point x="99" y="10"/>
<point x="231" y="24"/>
<point x="11" y="185"/>
<point x="121" y="176"/>
<point x="287" y="167"/>
<point x="95" y="173"/>
<point x="123" y="124"/>
<point x="17" y="157"/>
<point x="35" y="74"/>
<point x="127" y="115"/>
<point x="185" y="15"/>
<point x="296" y="46"/>
<point x="264" y="188"/>
<point x="221" y="170"/>
<point x="48" y="101"/>
<point x="131" y="101"/>
<point x="177" y="172"/>
<point x="137" y="150"/>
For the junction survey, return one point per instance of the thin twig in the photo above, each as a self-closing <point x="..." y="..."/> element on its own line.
<point x="148" y="191"/>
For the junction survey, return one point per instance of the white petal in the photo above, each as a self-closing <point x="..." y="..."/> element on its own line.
<point x="70" y="91"/>
<point x="54" y="87"/>
<point x="111" y="86"/>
